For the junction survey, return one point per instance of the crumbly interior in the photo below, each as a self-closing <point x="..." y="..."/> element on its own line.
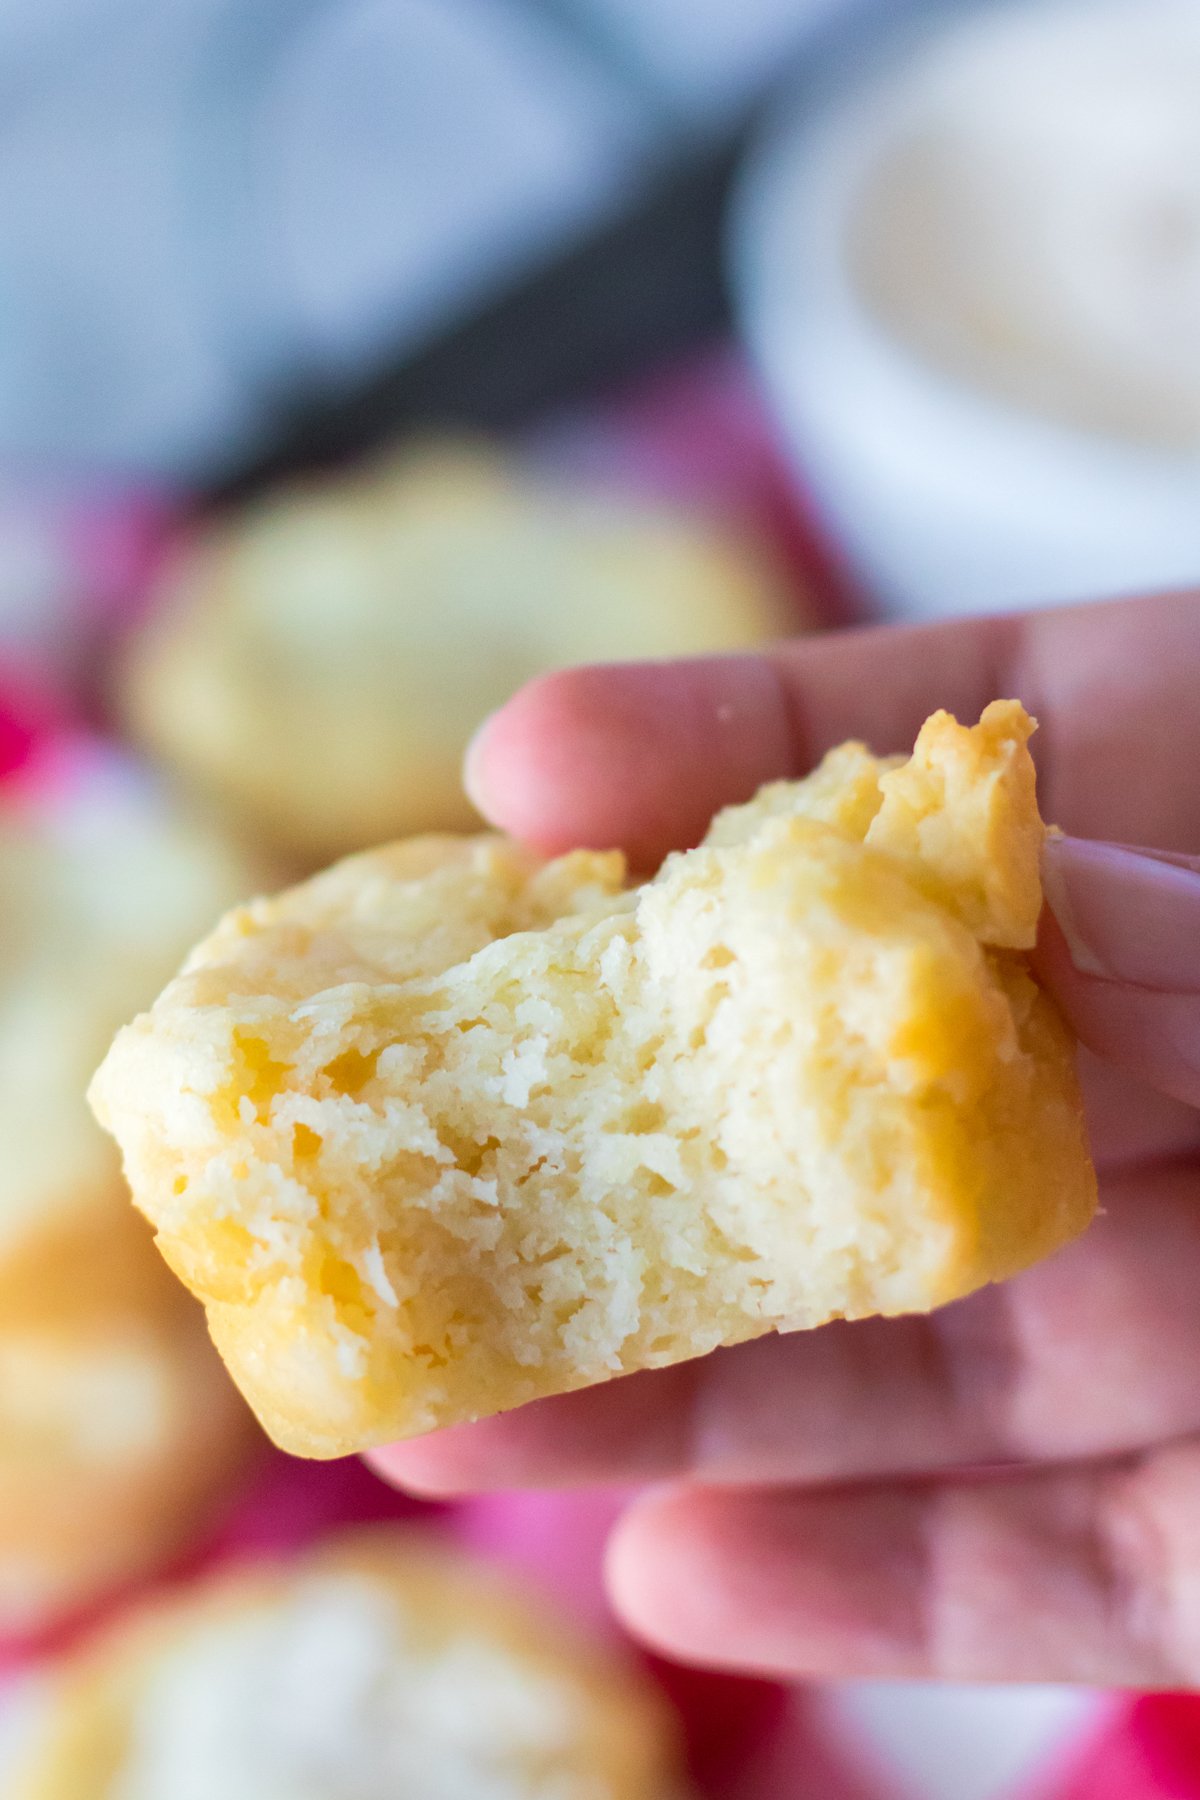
<point x="381" y="1670"/>
<point x="304" y="663"/>
<point x="447" y="1128"/>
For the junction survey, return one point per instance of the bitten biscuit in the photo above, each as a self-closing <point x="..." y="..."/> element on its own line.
<point x="317" y="663"/>
<point x="448" y="1128"/>
<point x="381" y="1666"/>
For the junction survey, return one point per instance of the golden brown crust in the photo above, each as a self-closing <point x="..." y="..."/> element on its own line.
<point x="447" y="1129"/>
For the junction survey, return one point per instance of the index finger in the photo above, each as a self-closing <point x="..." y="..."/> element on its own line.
<point x="641" y="755"/>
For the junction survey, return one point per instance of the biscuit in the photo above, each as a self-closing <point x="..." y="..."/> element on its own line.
<point x="381" y="1665"/>
<point x="118" y="1425"/>
<point x="448" y="1128"/>
<point x="100" y="895"/>
<point x="119" y="1428"/>
<point x="318" y="663"/>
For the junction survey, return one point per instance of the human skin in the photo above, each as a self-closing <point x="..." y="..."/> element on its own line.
<point x="1010" y="1488"/>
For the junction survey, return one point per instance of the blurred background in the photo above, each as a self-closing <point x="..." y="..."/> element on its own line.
<point x="360" y="359"/>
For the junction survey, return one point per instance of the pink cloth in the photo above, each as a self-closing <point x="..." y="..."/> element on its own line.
<point x="1147" y="1749"/>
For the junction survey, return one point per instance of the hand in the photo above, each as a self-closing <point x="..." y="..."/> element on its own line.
<point x="1010" y="1488"/>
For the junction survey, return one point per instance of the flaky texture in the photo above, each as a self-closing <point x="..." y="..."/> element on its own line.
<point x="318" y="662"/>
<point x="380" y="1668"/>
<point x="449" y="1128"/>
<point x="118" y="1425"/>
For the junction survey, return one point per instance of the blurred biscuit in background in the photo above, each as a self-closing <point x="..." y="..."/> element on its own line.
<point x="118" y="1426"/>
<point x="318" y="662"/>
<point x="117" y="1423"/>
<point x="102" y="891"/>
<point x="380" y="1665"/>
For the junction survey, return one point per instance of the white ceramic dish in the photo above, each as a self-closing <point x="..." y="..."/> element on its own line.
<point x="944" y="499"/>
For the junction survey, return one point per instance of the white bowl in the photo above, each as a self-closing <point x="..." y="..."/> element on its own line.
<point x="945" y="499"/>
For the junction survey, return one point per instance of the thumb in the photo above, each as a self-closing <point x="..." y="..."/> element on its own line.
<point x="1120" y="949"/>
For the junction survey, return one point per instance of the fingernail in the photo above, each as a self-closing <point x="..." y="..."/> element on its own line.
<point x="1127" y="914"/>
<point x="474" y="764"/>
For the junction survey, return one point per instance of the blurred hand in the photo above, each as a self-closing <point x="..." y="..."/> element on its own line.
<point x="1010" y="1488"/>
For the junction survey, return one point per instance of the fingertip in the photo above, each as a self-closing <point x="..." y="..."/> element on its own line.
<point x="622" y="1431"/>
<point x="681" y="1574"/>
<point x="476" y="777"/>
<point x="442" y="1466"/>
<point x="637" y="756"/>
<point x="526" y="768"/>
<point x="771" y="1582"/>
<point x="1117" y="950"/>
<point x="654" y="1554"/>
